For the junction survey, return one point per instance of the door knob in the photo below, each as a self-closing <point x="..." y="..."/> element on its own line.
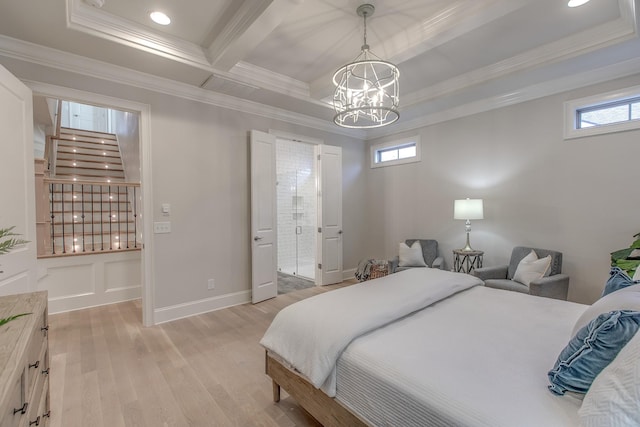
<point x="257" y="238"/>
<point x="339" y="231"/>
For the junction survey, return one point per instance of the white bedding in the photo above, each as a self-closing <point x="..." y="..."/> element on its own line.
<point x="479" y="358"/>
<point x="311" y="334"/>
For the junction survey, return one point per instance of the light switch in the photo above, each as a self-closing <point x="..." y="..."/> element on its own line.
<point x="161" y="227"/>
<point x="166" y="209"/>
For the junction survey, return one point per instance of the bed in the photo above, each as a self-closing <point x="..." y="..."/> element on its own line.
<point x="423" y="347"/>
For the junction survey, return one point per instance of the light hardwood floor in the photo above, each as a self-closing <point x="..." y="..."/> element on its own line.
<point x="207" y="370"/>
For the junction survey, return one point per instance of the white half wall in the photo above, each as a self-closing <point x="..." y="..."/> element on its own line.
<point x="82" y="281"/>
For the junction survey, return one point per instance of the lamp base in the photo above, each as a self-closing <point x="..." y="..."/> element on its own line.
<point x="467" y="247"/>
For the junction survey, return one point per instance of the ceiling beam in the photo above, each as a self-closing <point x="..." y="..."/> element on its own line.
<point x="248" y="26"/>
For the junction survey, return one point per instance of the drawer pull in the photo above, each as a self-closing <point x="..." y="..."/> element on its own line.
<point x="36" y="422"/>
<point x="47" y="414"/>
<point x="46" y="371"/>
<point x="34" y="365"/>
<point x="22" y="410"/>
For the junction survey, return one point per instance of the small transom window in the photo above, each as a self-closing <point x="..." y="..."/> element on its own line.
<point x="606" y="113"/>
<point x="396" y="152"/>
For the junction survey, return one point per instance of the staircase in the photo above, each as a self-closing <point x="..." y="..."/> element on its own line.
<point x="88" y="155"/>
<point x="91" y="206"/>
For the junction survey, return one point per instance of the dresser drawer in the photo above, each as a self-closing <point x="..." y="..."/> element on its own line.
<point x="12" y="413"/>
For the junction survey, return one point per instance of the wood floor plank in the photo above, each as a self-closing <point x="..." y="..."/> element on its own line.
<point x="107" y="370"/>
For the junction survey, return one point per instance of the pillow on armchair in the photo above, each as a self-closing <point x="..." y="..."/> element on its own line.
<point x="411" y="256"/>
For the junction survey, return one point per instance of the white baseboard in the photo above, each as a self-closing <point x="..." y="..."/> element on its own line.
<point x="348" y="274"/>
<point x="179" y="311"/>
<point x="78" y="302"/>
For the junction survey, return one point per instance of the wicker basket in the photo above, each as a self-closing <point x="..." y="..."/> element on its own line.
<point x="378" y="269"/>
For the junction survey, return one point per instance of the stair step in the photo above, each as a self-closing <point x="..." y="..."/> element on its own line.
<point x="83" y="164"/>
<point x="69" y="146"/>
<point x="82" y="132"/>
<point x="89" y="173"/>
<point x="90" y="157"/>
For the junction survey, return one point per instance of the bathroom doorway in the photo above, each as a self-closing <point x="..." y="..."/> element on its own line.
<point x="297" y="214"/>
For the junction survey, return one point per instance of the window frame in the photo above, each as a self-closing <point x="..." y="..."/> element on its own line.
<point x="620" y="97"/>
<point x="398" y="143"/>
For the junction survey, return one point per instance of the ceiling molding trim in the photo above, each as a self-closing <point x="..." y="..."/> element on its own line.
<point x="86" y="19"/>
<point x="540" y="90"/>
<point x="273" y="81"/>
<point x="595" y="38"/>
<point x="60" y="60"/>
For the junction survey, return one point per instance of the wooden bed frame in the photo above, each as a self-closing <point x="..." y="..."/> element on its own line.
<point x="327" y="410"/>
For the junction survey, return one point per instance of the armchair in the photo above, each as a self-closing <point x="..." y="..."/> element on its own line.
<point x="552" y="285"/>
<point x="429" y="253"/>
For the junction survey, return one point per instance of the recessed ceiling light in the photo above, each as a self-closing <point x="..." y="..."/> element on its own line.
<point x="576" y="3"/>
<point x="160" y="18"/>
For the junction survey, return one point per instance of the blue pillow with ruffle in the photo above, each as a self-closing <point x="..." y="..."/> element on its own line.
<point x="591" y="350"/>
<point x="618" y="279"/>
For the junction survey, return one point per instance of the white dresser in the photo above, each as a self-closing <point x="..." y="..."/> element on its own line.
<point x="24" y="361"/>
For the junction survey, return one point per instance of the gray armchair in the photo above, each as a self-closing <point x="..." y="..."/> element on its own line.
<point x="429" y="253"/>
<point x="553" y="285"/>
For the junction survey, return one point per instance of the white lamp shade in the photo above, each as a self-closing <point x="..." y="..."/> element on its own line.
<point x="468" y="209"/>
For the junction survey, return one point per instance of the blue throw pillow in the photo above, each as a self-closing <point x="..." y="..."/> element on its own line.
<point x="618" y="279"/>
<point x="591" y="350"/>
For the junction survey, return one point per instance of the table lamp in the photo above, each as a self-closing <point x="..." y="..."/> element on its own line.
<point x="468" y="209"/>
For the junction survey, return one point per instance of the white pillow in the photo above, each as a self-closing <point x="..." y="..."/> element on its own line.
<point x="411" y="256"/>
<point x="614" y="397"/>
<point x="531" y="268"/>
<point x="623" y="299"/>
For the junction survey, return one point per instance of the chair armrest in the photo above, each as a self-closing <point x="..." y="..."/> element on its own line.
<point x="393" y="264"/>
<point x="485" y="273"/>
<point x="556" y="286"/>
<point x="438" y="263"/>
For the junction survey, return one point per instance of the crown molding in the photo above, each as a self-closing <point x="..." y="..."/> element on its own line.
<point x="95" y="22"/>
<point x="273" y="81"/>
<point x="53" y="58"/>
<point x="536" y="91"/>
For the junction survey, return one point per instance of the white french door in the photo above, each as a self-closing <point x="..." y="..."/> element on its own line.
<point x="329" y="268"/>
<point x="18" y="267"/>
<point x="264" y="253"/>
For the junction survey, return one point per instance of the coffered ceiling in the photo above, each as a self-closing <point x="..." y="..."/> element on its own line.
<point x="454" y="56"/>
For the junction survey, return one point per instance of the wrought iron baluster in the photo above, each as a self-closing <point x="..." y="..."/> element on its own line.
<point x="53" y="217"/>
<point x="64" y="245"/>
<point x="101" y="220"/>
<point x="127" y="209"/>
<point x="110" y="220"/>
<point x="135" y="220"/>
<point x="93" y="223"/>
<point x="119" y="236"/>
<point x="82" y="201"/>
<point x="73" y="220"/>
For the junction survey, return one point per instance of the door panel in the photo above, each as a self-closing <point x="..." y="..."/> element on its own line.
<point x="17" y="268"/>
<point x="264" y="282"/>
<point x="331" y="214"/>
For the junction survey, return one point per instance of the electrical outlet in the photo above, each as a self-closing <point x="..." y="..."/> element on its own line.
<point x="211" y="284"/>
<point x="161" y="227"/>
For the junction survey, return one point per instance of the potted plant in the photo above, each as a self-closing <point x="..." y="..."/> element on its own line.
<point x="8" y="241"/>
<point x="628" y="259"/>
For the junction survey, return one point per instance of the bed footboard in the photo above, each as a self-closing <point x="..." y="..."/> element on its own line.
<point x="328" y="411"/>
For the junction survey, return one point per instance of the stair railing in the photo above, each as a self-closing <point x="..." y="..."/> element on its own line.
<point x="92" y="217"/>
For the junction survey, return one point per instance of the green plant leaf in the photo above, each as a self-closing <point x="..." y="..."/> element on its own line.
<point x="621" y="254"/>
<point x="11" y="242"/>
<point x="9" y="319"/>
<point x="636" y="244"/>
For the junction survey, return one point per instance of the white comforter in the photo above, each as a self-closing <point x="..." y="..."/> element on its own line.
<point x="311" y="334"/>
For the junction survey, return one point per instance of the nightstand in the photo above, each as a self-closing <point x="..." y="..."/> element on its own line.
<point x="466" y="261"/>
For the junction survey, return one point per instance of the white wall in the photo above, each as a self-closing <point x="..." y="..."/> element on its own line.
<point x="127" y="129"/>
<point x="576" y="196"/>
<point x="200" y="165"/>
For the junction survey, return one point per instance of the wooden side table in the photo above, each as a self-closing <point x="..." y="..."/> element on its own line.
<point x="466" y="261"/>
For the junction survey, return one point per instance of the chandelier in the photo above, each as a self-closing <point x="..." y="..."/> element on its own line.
<point x="366" y="94"/>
